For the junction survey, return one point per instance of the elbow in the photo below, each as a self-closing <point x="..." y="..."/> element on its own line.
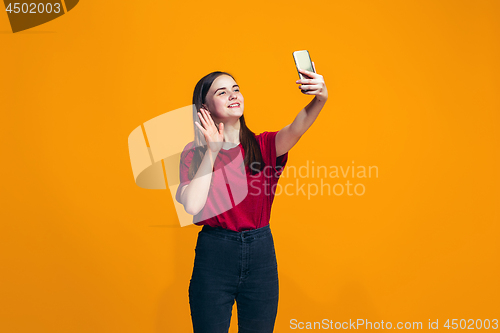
<point x="191" y="204"/>
<point x="192" y="209"/>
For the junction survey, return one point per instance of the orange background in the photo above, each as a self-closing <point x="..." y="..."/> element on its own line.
<point x="413" y="89"/>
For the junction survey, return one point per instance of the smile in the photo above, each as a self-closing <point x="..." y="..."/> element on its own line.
<point x="234" y="105"/>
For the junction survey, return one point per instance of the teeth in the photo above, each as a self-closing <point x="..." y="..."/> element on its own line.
<point x="233" y="105"/>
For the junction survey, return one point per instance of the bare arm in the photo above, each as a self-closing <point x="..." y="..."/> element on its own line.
<point x="290" y="134"/>
<point x="195" y="194"/>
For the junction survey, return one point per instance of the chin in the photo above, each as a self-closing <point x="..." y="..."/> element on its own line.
<point x="238" y="113"/>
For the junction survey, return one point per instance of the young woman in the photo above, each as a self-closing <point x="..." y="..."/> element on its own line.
<point x="228" y="178"/>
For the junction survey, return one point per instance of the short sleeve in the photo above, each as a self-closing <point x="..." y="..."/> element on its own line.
<point x="185" y="161"/>
<point x="278" y="162"/>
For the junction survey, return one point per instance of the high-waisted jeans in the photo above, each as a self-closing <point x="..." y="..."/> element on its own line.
<point x="231" y="266"/>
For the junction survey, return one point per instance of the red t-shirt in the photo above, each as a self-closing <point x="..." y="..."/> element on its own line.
<point x="238" y="200"/>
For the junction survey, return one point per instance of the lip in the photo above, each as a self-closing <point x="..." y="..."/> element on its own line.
<point x="234" y="107"/>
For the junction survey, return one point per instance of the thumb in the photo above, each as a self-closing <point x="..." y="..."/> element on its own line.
<point x="221" y="128"/>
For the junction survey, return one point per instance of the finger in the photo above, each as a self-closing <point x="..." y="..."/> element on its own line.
<point x="202" y="118"/>
<point x="221" y="128"/>
<point x="202" y="130"/>
<point x="311" y="89"/>
<point x="206" y="126"/>
<point x="209" y="118"/>
<point x="201" y="113"/>
<point x="201" y="127"/>
<point x="306" y="87"/>
<point x="310" y="86"/>
<point x="308" y="81"/>
<point x="204" y="111"/>
<point x="310" y="74"/>
<point x="314" y="91"/>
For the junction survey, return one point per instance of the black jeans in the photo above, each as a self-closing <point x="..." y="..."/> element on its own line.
<point x="231" y="266"/>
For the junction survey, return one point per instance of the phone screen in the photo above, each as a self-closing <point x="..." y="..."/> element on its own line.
<point x="303" y="61"/>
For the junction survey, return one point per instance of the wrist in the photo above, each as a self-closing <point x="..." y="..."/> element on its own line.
<point x="321" y="99"/>
<point x="213" y="153"/>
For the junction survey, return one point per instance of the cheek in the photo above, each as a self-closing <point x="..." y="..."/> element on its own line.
<point x="217" y="106"/>
<point x="215" y="103"/>
<point x="221" y="102"/>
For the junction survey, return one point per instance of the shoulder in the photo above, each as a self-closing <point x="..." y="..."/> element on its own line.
<point x="267" y="143"/>
<point x="266" y="138"/>
<point x="188" y="151"/>
<point x="266" y="135"/>
<point x="190" y="147"/>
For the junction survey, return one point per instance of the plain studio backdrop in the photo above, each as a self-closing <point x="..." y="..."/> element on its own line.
<point x="413" y="90"/>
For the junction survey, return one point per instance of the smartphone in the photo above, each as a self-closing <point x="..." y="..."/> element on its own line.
<point x="303" y="61"/>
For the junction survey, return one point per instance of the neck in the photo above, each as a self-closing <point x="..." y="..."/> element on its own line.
<point x="232" y="132"/>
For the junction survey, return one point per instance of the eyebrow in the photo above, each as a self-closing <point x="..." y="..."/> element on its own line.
<point x="225" y="88"/>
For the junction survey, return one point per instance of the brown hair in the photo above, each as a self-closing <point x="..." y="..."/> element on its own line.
<point x="247" y="137"/>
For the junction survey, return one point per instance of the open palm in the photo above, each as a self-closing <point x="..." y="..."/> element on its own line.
<point x="213" y="137"/>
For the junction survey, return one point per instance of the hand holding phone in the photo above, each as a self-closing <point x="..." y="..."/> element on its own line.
<point x="312" y="83"/>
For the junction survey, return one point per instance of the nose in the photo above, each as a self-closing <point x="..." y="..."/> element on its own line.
<point x="232" y="95"/>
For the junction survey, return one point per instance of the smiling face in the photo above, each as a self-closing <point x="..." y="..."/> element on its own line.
<point x="224" y="99"/>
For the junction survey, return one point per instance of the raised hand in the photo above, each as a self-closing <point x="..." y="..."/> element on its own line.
<point x="313" y="84"/>
<point x="213" y="137"/>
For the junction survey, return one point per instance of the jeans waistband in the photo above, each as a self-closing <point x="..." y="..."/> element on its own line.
<point x="235" y="235"/>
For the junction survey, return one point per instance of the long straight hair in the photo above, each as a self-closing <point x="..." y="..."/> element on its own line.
<point x="253" y="155"/>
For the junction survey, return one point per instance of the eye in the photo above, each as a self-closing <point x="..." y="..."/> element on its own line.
<point x="223" y="92"/>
